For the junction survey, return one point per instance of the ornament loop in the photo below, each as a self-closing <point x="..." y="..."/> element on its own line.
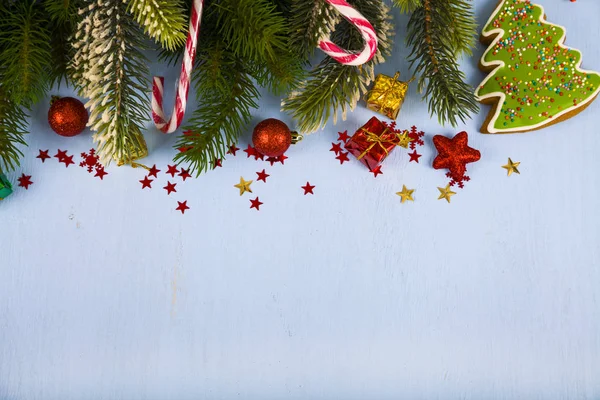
<point x="297" y="137"/>
<point x="366" y="30"/>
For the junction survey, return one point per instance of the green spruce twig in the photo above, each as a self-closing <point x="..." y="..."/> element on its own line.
<point x="163" y="20"/>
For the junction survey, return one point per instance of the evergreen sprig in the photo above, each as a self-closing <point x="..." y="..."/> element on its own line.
<point x="407" y="5"/>
<point x="308" y="21"/>
<point x="163" y="20"/>
<point x="332" y="87"/>
<point x="110" y="69"/>
<point x="13" y="126"/>
<point x="438" y="32"/>
<point x="25" y="55"/>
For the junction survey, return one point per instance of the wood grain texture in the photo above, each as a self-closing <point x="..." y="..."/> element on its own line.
<point x="106" y="292"/>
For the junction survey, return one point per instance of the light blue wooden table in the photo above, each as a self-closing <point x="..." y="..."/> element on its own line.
<point x="107" y="292"/>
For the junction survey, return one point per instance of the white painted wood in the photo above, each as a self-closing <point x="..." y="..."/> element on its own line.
<point x="106" y="292"/>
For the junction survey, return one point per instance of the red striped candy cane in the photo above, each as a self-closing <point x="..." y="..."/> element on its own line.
<point x="363" y="25"/>
<point x="183" y="85"/>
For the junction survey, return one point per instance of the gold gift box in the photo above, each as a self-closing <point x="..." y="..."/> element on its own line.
<point x="387" y="95"/>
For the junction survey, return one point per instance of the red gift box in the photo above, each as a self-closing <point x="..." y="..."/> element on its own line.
<point x="372" y="143"/>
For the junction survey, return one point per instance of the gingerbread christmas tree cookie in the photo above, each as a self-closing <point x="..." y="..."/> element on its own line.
<point x="534" y="80"/>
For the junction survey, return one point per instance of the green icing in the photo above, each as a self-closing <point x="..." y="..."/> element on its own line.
<point x="540" y="78"/>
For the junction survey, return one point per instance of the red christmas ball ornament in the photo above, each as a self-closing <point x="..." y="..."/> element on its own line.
<point x="67" y="116"/>
<point x="272" y="137"/>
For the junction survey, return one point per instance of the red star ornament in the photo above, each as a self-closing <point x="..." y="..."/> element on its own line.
<point x="43" y="155"/>
<point x="308" y="188"/>
<point x="153" y="171"/>
<point x="146" y="182"/>
<point x="182" y="206"/>
<point x="255" y="204"/>
<point x="454" y="154"/>
<point x="25" y="181"/>
<point x="262" y="176"/>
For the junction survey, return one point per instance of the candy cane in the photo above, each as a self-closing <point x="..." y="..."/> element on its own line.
<point x="363" y="25"/>
<point x="183" y="85"/>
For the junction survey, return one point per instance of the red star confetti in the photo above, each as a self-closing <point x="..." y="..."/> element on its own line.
<point x="343" y="157"/>
<point x="272" y="160"/>
<point x="308" y="188"/>
<point x="90" y="161"/>
<point x="25" y="181"/>
<point x="182" y="207"/>
<point x="170" y="188"/>
<point x="416" y="138"/>
<point x="184" y="174"/>
<point x="258" y="156"/>
<point x="256" y="204"/>
<point x="343" y="136"/>
<point x="183" y="149"/>
<point x="233" y="149"/>
<point x="376" y="171"/>
<point x="336" y="148"/>
<point x="250" y="151"/>
<point x="153" y="171"/>
<point x="100" y="173"/>
<point x="172" y="170"/>
<point x="262" y="176"/>
<point x="218" y="163"/>
<point x="60" y="155"/>
<point x="67" y="161"/>
<point x="146" y="182"/>
<point x="43" y="155"/>
<point x="414" y="156"/>
<point x="455" y="154"/>
<point x="282" y="159"/>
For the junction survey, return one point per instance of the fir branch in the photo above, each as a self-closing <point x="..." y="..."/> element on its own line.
<point x="332" y="87"/>
<point x="462" y="25"/>
<point x="163" y="20"/>
<point x="308" y="21"/>
<point x="110" y="69"/>
<point x="434" y="55"/>
<point x="228" y="95"/>
<point x="13" y="128"/>
<point x="63" y="11"/>
<point x="25" y="55"/>
<point x="407" y="5"/>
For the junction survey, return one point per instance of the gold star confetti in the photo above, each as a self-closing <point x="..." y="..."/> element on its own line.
<point x="404" y="140"/>
<point x="406" y="194"/>
<point x="244" y="186"/>
<point x="446" y="193"/>
<point x="512" y="167"/>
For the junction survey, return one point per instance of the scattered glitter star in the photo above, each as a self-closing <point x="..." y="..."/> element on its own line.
<point x="146" y="182"/>
<point x="184" y="174"/>
<point x="282" y="159"/>
<point x="404" y="140"/>
<point x="336" y="148"/>
<point x="272" y="160"/>
<point x="343" y="136"/>
<point x="250" y="151"/>
<point x="308" y="188"/>
<point x="512" y="167"/>
<point x="414" y="156"/>
<point x="446" y="193"/>
<point x="172" y="170"/>
<point x="262" y="176"/>
<point x="100" y="173"/>
<point x="170" y="188"/>
<point x="153" y="171"/>
<point x="244" y="186"/>
<point x="376" y="171"/>
<point x="43" y="155"/>
<point x="182" y="206"/>
<point x="218" y="163"/>
<point x="255" y="204"/>
<point x="67" y="160"/>
<point x="406" y="194"/>
<point x="60" y="155"/>
<point x="343" y="157"/>
<point x="233" y="149"/>
<point x="25" y="181"/>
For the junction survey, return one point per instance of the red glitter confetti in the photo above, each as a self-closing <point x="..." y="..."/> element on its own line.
<point x="67" y="161"/>
<point x="60" y="155"/>
<point x="258" y="156"/>
<point x="170" y="188"/>
<point x="182" y="207"/>
<point x="343" y="157"/>
<point x="308" y="188"/>
<point x="172" y="170"/>
<point x="25" y="181"/>
<point x="184" y="174"/>
<point x="377" y="171"/>
<point x="416" y="138"/>
<point x="336" y="148"/>
<point x="100" y="173"/>
<point x="414" y="156"/>
<point x="282" y="159"/>
<point x="218" y="163"/>
<point x="250" y="151"/>
<point x="146" y="182"/>
<point x="256" y="204"/>
<point x="454" y="154"/>
<point x="43" y="155"/>
<point x="272" y="160"/>
<point x="233" y="149"/>
<point x="262" y="176"/>
<point x="153" y="171"/>
<point x="185" y="148"/>
<point x="90" y="161"/>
